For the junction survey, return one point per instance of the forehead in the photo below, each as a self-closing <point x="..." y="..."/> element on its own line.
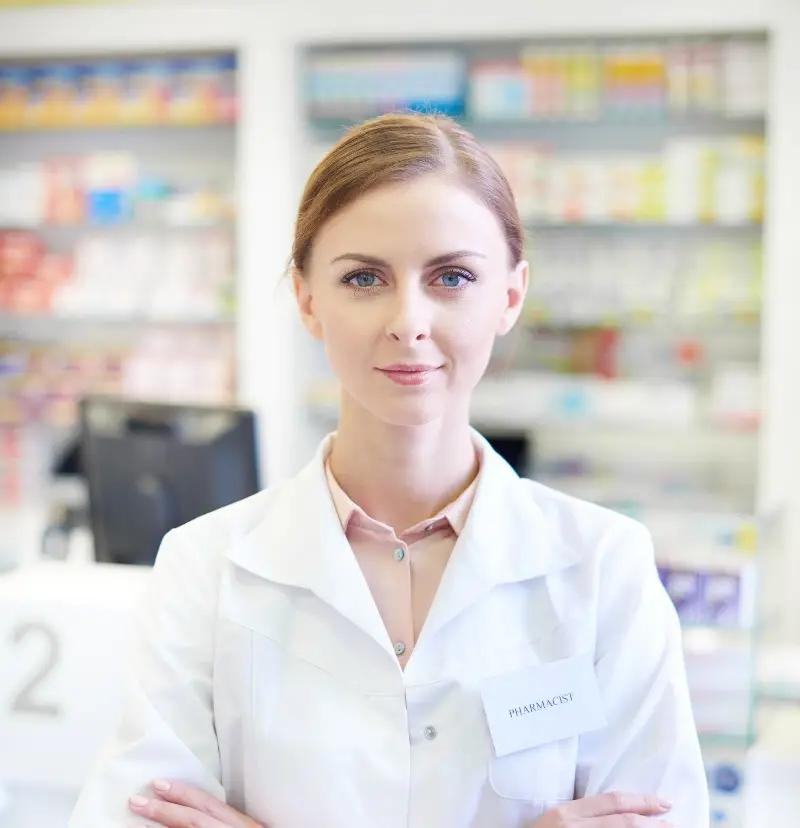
<point x="425" y="217"/>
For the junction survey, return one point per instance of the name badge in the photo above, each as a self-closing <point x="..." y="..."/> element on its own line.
<point x="542" y="704"/>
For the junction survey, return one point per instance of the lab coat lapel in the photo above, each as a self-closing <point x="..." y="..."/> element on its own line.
<point x="300" y="543"/>
<point x="507" y="539"/>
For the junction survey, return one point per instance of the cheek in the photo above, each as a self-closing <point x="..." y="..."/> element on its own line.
<point x="470" y="330"/>
<point x="346" y="331"/>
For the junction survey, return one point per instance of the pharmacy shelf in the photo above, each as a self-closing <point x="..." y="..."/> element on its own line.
<point x="538" y="226"/>
<point x="526" y="400"/>
<point x="742" y="323"/>
<point x="21" y="323"/>
<point x="770" y="692"/>
<point x="779" y="674"/>
<point x="94" y="129"/>
<point x="119" y="128"/>
<point x="647" y="128"/>
<point x="136" y="226"/>
<point x="172" y="143"/>
<point x="563" y="431"/>
<point x="727" y="741"/>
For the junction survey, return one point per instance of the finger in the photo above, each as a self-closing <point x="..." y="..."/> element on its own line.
<point x="182" y="794"/>
<point x="609" y="804"/>
<point x="171" y="815"/>
<point x="627" y="821"/>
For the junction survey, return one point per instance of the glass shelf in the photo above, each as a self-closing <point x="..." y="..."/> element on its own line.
<point x="643" y="226"/>
<point x="132" y="226"/>
<point x="778" y="693"/>
<point x="706" y="123"/>
<point x="10" y="321"/>
<point x="92" y="129"/>
<point x="727" y="741"/>
<point x="654" y="322"/>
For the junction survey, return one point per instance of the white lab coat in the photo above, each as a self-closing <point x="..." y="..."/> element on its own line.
<point x="265" y="675"/>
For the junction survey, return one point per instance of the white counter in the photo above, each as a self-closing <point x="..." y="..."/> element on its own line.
<point x="64" y="633"/>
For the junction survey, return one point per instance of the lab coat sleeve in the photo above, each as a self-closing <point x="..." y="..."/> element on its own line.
<point x="167" y="728"/>
<point x="650" y="744"/>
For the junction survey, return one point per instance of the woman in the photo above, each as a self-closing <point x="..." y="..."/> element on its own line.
<point x="406" y="633"/>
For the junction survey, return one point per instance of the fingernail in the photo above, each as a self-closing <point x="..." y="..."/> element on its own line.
<point x="161" y="785"/>
<point x="138" y="801"/>
<point x="665" y="805"/>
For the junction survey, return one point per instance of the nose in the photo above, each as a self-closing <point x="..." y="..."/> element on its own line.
<point x="409" y="318"/>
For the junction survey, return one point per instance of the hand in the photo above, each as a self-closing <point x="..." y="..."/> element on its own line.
<point x="176" y="805"/>
<point x="611" y="810"/>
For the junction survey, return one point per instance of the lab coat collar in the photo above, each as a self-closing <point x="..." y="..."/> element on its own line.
<point x="299" y="542"/>
<point x="508" y="538"/>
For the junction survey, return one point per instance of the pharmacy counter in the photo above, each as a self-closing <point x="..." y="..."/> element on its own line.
<point x="64" y="631"/>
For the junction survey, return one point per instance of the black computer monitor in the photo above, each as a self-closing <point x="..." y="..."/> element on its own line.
<point x="516" y="448"/>
<point x="152" y="467"/>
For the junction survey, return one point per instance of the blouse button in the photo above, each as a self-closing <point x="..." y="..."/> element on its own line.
<point x="399" y="554"/>
<point x="430" y="733"/>
<point x="399" y="648"/>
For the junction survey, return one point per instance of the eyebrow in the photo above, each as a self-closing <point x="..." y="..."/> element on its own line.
<point x="436" y="260"/>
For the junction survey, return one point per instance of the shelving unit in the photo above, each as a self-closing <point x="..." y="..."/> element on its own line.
<point x="625" y="158"/>
<point x="634" y="372"/>
<point x="118" y="234"/>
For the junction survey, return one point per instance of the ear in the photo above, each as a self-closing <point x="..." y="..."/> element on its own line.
<point x="305" y="303"/>
<point x="515" y="297"/>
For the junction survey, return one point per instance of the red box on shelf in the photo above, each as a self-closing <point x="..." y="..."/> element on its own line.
<point x="20" y="254"/>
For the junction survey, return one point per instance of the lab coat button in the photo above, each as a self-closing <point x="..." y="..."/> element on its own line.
<point x="430" y="733"/>
<point x="399" y="554"/>
<point x="399" y="648"/>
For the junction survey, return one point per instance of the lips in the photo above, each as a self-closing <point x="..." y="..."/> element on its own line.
<point x="408" y="374"/>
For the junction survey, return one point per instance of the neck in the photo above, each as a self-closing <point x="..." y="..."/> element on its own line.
<point x="401" y="475"/>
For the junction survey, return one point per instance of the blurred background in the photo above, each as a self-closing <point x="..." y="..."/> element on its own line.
<point x="152" y="366"/>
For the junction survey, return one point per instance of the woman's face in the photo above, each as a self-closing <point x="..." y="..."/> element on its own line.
<point x="407" y="288"/>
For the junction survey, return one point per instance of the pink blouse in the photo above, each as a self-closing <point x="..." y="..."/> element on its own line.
<point x="402" y="571"/>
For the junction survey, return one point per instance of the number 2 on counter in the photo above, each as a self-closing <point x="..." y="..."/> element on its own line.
<point x="24" y="701"/>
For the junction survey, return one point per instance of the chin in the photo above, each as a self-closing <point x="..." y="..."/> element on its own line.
<point x="405" y="413"/>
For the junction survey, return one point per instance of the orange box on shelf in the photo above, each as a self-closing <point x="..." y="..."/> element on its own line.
<point x="145" y="92"/>
<point x="15" y="84"/>
<point x="58" y="86"/>
<point x="204" y="79"/>
<point x="100" y="94"/>
<point x="65" y="199"/>
<point x="5" y="97"/>
<point x="185" y="99"/>
<point x="35" y="114"/>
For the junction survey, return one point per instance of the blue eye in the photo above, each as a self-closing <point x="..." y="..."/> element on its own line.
<point x="362" y="279"/>
<point x="455" y="278"/>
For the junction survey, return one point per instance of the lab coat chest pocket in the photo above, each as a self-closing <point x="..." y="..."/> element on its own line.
<point x="543" y="774"/>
